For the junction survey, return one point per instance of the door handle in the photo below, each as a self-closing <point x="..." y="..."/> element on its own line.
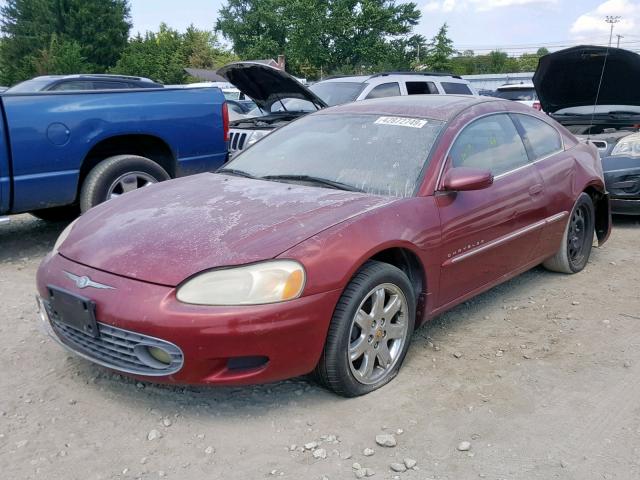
<point x="536" y="189"/>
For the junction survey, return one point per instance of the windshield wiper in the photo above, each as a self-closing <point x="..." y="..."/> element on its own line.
<point x="233" y="171"/>
<point x="317" y="180"/>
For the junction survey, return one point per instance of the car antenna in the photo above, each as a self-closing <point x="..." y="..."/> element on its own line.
<point x="593" y="113"/>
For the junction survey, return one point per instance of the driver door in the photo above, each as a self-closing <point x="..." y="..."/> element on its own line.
<point x="492" y="232"/>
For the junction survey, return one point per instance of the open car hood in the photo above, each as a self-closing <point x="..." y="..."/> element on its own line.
<point x="266" y="85"/>
<point x="569" y="78"/>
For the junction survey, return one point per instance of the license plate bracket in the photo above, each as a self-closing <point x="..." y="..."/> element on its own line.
<point x="74" y="311"/>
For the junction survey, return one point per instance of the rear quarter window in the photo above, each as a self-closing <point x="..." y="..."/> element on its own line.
<point x="543" y="140"/>
<point x="452" y="88"/>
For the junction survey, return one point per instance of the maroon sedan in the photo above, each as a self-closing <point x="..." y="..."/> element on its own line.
<point x="323" y="246"/>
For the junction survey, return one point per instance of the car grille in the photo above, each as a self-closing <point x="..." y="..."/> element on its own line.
<point x="116" y="348"/>
<point x="237" y="140"/>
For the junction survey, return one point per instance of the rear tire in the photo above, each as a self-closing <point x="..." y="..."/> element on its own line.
<point x="370" y="331"/>
<point x="117" y="175"/>
<point x="577" y="240"/>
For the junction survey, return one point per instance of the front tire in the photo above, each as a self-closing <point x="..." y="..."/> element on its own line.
<point x="118" y="175"/>
<point x="577" y="240"/>
<point x="370" y="331"/>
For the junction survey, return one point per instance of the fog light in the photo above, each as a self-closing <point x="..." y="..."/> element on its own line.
<point x="160" y="355"/>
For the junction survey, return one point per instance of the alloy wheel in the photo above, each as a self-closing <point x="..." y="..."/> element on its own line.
<point x="129" y="182"/>
<point x="378" y="334"/>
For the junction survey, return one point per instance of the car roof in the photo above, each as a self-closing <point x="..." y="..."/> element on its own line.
<point x="94" y="76"/>
<point x="407" y="76"/>
<point x="437" y="107"/>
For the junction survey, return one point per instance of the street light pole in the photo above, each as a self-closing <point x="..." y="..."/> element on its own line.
<point x="612" y="20"/>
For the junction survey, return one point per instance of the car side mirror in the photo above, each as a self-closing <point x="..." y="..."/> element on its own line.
<point x="462" y="179"/>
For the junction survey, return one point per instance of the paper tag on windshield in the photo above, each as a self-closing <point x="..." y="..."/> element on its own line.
<point x="401" y="122"/>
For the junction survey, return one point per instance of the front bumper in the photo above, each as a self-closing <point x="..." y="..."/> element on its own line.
<point x="213" y="345"/>
<point x="622" y="178"/>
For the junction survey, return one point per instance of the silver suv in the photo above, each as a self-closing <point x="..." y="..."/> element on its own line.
<point x="280" y="98"/>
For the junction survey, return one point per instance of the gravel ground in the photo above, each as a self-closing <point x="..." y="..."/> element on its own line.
<point x="537" y="379"/>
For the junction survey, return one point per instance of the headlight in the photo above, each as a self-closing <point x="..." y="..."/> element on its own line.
<point x="260" y="283"/>
<point x="255" y="136"/>
<point x="63" y="236"/>
<point x="629" y="146"/>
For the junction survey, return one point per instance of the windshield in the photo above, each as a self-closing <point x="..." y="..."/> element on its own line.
<point x="337" y="93"/>
<point x="381" y="155"/>
<point x="30" y="86"/>
<point x="517" y="94"/>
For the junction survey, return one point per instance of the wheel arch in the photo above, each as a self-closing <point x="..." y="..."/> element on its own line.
<point x="409" y="262"/>
<point x="150" y="146"/>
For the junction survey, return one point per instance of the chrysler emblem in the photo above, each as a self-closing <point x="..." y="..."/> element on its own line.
<point x="84" y="282"/>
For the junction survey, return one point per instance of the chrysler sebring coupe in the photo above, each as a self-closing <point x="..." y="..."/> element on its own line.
<point x="324" y="245"/>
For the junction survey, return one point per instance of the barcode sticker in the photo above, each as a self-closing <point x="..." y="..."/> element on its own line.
<point x="401" y="122"/>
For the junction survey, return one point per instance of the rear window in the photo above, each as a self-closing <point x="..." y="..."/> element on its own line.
<point x="543" y="139"/>
<point x="452" y="88"/>
<point x="517" y="94"/>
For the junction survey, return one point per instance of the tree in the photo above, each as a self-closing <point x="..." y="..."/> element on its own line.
<point x="163" y="55"/>
<point x="100" y="28"/>
<point x="440" y="51"/>
<point x="542" y="51"/>
<point x="61" y="57"/>
<point x="332" y="35"/>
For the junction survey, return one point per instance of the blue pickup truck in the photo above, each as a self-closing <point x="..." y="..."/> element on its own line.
<point x="63" y="152"/>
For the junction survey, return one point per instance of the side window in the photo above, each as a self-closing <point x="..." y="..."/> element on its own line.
<point x="491" y="143"/>
<point x="421" y="88"/>
<point x="452" y="88"/>
<point x="385" y="90"/>
<point x="543" y="138"/>
<point x="72" y="86"/>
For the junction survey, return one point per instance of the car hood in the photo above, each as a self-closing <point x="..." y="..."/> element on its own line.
<point x="167" y="232"/>
<point x="569" y="78"/>
<point x="266" y="85"/>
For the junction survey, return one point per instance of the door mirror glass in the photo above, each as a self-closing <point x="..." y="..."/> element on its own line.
<point x="462" y="179"/>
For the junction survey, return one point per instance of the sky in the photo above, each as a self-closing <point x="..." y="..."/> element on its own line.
<point x="513" y="26"/>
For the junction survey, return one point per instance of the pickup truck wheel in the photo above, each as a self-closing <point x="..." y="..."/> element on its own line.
<point x="118" y="175"/>
<point x="57" y="214"/>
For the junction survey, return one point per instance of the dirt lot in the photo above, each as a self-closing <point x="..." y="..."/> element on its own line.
<point x="547" y="386"/>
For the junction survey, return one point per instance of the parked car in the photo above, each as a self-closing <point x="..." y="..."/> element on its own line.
<point x="281" y="98"/>
<point x="62" y="151"/>
<point x="80" y="82"/>
<point x="524" y="93"/>
<point x="568" y="84"/>
<point x="324" y="246"/>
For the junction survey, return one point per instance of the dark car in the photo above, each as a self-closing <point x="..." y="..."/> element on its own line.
<point x="61" y="83"/>
<point x="323" y="246"/>
<point x="567" y="83"/>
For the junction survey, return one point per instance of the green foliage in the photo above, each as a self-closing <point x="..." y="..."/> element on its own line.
<point x="441" y="49"/>
<point x="327" y="36"/>
<point x="61" y="57"/>
<point x="93" y="30"/>
<point x="164" y="54"/>
<point x="495" y="62"/>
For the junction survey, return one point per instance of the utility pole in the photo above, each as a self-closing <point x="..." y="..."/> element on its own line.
<point x="619" y="37"/>
<point x="612" y="20"/>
